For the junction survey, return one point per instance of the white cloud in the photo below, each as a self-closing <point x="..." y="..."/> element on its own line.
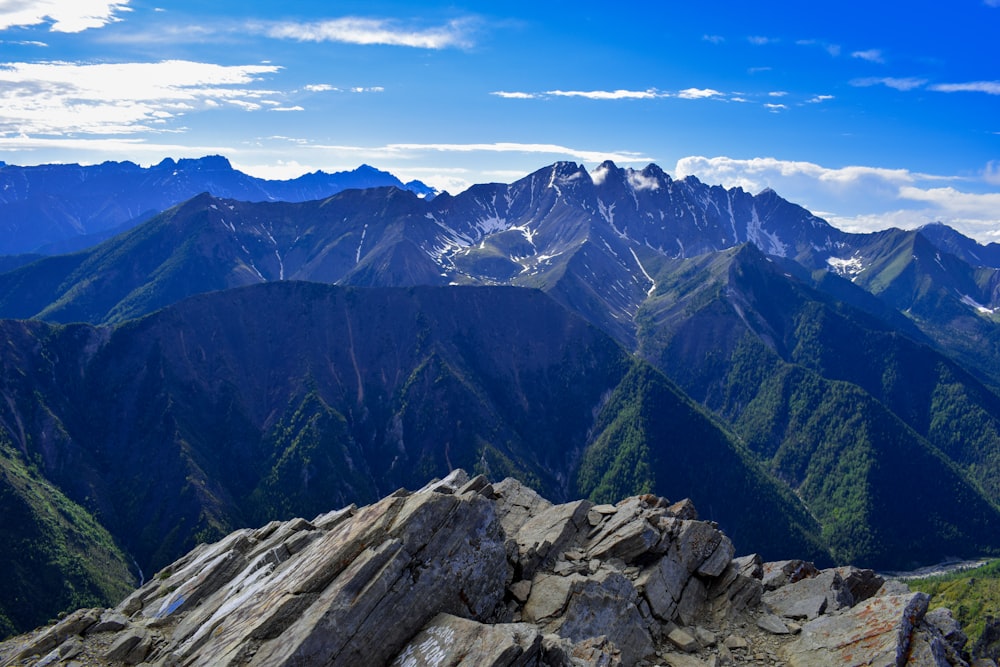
<point x="775" y="107"/>
<point x="608" y="94"/>
<point x="871" y="55"/>
<point x="988" y="87"/>
<point x="758" y="40"/>
<point x="640" y="182"/>
<point x="52" y="98"/>
<point x="368" y="31"/>
<point x="277" y="170"/>
<point x="974" y="214"/>
<point x="107" y="148"/>
<point x="906" y="83"/>
<point x="819" y="98"/>
<point x="697" y="93"/>
<point x="508" y="147"/>
<point x="862" y="198"/>
<point x="515" y="95"/>
<point x="620" y="94"/>
<point x="64" y="16"/>
<point x="759" y="173"/>
<point x="411" y="151"/>
<point x="719" y="39"/>
<point x="957" y="203"/>
<point x="327" y="88"/>
<point x="832" y="49"/>
<point x="777" y="93"/>
<point x="991" y="173"/>
<point x="294" y="108"/>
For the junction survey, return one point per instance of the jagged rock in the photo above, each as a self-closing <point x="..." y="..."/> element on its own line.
<point x="110" y="621"/>
<point x="681" y="660"/>
<point x="520" y="590"/>
<point x="74" y="624"/>
<point x="700" y="547"/>
<point x="626" y="534"/>
<point x="988" y="644"/>
<point x="431" y="558"/>
<point x="736" y="590"/>
<point x="861" y="584"/>
<point x="706" y="638"/>
<point x="450" y="641"/>
<point x="594" y="652"/>
<point x="450" y="484"/>
<point x="684" y="509"/>
<point x="750" y="566"/>
<point x="70" y="648"/>
<point x="478" y="484"/>
<point x="683" y="640"/>
<point x="465" y="572"/>
<point x="876" y="632"/>
<point x="516" y="504"/>
<point x="810" y="597"/>
<point x="944" y="623"/>
<point x="580" y="607"/>
<point x="331" y="520"/>
<point x="772" y="624"/>
<point x="551" y="531"/>
<point x="662" y="585"/>
<point x="130" y="647"/>
<point x="780" y="573"/>
<point x="692" y="601"/>
<point x="930" y="650"/>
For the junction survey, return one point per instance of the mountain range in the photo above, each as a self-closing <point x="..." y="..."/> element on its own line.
<point x="55" y="208"/>
<point x="818" y="393"/>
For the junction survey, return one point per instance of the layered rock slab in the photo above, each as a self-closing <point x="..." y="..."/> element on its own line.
<point x="464" y="572"/>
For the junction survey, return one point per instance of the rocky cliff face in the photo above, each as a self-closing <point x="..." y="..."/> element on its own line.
<point x="464" y="572"/>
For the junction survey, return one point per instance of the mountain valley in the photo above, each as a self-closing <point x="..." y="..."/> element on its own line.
<point x="599" y="334"/>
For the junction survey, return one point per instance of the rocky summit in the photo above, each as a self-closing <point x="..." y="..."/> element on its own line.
<point x="465" y="572"/>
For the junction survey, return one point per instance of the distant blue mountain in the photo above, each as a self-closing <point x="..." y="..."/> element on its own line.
<point x="58" y="208"/>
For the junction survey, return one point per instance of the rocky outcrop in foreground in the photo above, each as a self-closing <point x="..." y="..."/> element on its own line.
<point x="464" y="572"/>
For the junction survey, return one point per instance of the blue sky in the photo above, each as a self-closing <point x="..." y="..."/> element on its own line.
<point x="870" y="114"/>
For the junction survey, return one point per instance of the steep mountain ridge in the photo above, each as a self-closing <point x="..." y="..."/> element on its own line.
<point x="239" y="406"/>
<point x="838" y="360"/>
<point x="58" y="208"/>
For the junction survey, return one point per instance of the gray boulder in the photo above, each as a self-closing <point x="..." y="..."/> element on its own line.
<point x="879" y="631"/>
<point x="451" y="641"/>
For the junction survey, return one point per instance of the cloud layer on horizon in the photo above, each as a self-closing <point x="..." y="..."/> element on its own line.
<point x="862" y="198"/>
<point x="70" y="17"/>
<point x="64" y="98"/>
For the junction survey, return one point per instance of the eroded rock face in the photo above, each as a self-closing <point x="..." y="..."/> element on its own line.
<point x="464" y="572"/>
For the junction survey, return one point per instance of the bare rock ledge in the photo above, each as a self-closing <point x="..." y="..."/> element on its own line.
<point x="464" y="572"/>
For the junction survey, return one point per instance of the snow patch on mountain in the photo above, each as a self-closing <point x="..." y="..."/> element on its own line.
<point x="357" y="255"/>
<point x="491" y="224"/>
<point x="985" y="310"/>
<point x="652" y="286"/>
<point x="763" y="239"/>
<point x="849" y="267"/>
